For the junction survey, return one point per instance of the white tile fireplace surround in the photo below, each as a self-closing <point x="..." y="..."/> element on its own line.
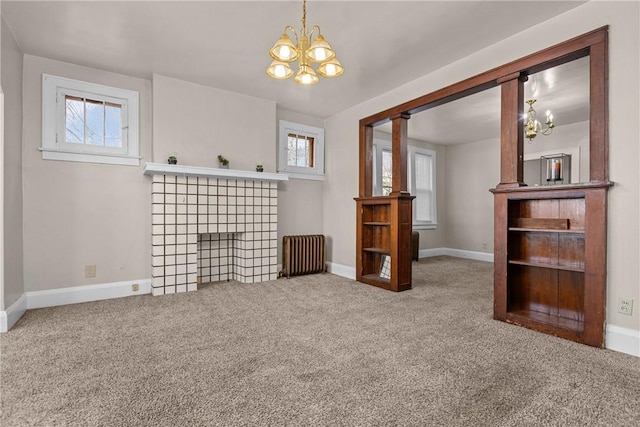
<point x="212" y="224"/>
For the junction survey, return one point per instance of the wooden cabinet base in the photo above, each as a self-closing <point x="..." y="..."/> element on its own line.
<point x="550" y="260"/>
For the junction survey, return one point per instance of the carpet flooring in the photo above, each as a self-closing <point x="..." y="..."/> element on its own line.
<point x="311" y="350"/>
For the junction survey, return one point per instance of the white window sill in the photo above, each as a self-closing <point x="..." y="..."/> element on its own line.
<point x="296" y="175"/>
<point x="68" y="156"/>
<point x="425" y="226"/>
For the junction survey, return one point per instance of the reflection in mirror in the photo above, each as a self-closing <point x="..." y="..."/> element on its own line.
<point x="561" y="109"/>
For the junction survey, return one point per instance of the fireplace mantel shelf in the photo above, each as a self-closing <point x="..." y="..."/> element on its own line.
<point x="181" y="170"/>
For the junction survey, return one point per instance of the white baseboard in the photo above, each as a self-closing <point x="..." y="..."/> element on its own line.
<point x="76" y="294"/>
<point x="341" y="270"/>
<point x="458" y="253"/>
<point x="428" y="253"/>
<point x="11" y="316"/>
<point x="624" y="340"/>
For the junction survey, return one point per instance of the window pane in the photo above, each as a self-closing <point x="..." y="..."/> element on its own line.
<point x="94" y="122"/>
<point x="386" y="172"/>
<point x="300" y="151"/>
<point x="113" y="126"/>
<point x="291" y="150"/>
<point x="74" y="118"/>
<point x="423" y="191"/>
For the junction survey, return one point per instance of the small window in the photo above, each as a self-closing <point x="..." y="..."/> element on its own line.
<point x="301" y="150"/>
<point x="87" y="122"/>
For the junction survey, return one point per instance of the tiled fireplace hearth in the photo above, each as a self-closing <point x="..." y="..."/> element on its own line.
<point x="212" y="224"/>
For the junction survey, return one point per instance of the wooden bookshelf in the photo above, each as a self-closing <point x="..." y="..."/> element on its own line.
<point x="547" y="279"/>
<point x="384" y="228"/>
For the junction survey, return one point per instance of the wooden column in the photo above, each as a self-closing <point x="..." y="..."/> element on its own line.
<point x="366" y="161"/>
<point x="511" y="131"/>
<point x="598" y="117"/>
<point x="399" y="154"/>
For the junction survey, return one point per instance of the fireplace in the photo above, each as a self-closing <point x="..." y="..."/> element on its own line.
<point x="211" y="225"/>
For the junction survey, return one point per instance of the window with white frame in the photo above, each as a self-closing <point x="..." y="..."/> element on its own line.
<point x="301" y="150"/>
<point x="421" y="173"/>
<point x="88" y="122"/>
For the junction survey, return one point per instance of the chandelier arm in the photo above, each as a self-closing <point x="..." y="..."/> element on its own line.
<point x="293" y="31"/>
<point x="315" y="27"/>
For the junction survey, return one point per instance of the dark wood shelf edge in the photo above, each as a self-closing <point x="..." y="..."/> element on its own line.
<point x="554" y="325"/>
<point x="526" y="263"/>
<point x="545" y="230"/>
<point x="551" y="188"/>
<point x="377" y="251"/>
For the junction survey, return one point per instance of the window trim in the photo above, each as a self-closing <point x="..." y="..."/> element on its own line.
<point x="53" y="118"/>
<point x="313" y="173"/>
<point x="380" y="145"/>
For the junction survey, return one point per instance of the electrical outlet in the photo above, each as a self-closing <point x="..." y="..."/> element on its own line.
<point x="485" y="246"/>
<point x="625" y="306"/>
<point x="135" y="287"/>
<point x="89" y="271"/>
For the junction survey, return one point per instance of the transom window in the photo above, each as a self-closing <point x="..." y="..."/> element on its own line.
<point x="87" y="122"/>
<point x="301" y="150"/>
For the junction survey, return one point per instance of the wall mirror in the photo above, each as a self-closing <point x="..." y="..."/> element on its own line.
<point x="559" y="155"/>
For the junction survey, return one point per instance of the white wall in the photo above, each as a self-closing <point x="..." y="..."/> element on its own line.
<point x="299" y="200"/>
<point x="200" y="122"/>
<point x="624" y="123"/>
<point x="12" y="163"/>
<point x="78" y="214"/>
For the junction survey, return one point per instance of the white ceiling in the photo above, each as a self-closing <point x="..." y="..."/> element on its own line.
<point x="382" y="44"/>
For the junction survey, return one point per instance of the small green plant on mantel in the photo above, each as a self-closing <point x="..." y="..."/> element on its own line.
<point x="259" y="167"/>
<point x="224" y="163"/>
<point x="172" y="160"/>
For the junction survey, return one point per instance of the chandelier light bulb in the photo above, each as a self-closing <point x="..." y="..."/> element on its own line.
<point x="280" y="71"/>
<point x="284" y="52"/>
<point x="330" y="69"/>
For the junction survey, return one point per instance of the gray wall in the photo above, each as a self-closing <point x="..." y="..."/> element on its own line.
<point x="12" y="208"/>
<point x="471" y="170"/>
<point x="200" y="122"/>
<point x="81" y="213"/>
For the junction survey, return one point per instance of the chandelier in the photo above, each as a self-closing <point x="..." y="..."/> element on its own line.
<point x="533" y="127"/>
<point x="306" y="50"/>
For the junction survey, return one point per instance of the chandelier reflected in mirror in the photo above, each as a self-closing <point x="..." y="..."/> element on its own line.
<point x="533" y="127"/>
<point x="306" y="50"/>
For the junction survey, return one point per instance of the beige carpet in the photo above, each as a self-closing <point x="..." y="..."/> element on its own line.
<point x="312" y="350"/>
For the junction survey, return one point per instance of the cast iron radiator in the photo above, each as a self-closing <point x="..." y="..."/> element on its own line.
<point x="302" y="254"/>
